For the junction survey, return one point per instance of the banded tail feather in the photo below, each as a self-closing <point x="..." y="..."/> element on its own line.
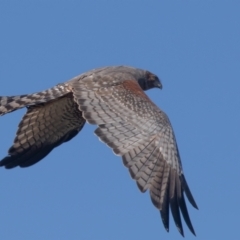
<point x="12" y="103"/>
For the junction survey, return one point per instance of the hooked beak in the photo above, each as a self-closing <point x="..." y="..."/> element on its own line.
<point x="157" y="83"/>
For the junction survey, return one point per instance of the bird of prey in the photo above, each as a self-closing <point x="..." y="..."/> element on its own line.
<point x="128" y="121"/>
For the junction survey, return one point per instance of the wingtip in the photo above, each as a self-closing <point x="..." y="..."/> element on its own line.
<point x="181" y="231"/>
<point x="188" y="192"/>
<point x="165" y="219"/>
<point x="196" y="207"/>
<point x="166" y="228"/>
<point x="192" y="231"/>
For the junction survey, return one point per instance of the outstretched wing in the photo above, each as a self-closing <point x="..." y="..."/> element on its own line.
<point x="137" y="130"/>
<point x="44" y="127"/>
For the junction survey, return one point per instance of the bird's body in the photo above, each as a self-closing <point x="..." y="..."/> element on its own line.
<point x="128" y="122"/>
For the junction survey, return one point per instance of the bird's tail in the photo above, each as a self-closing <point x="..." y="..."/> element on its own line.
<point x="12" y="103"/>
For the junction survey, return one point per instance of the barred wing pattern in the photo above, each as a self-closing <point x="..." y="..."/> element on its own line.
<point x="43" y="128"/>
<point x="128" y="122"/>
<point x="136" y="129"/>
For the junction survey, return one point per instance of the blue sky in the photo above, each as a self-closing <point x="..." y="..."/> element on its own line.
<point x="82" y="190"/>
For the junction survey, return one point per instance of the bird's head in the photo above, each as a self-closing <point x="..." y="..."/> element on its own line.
<point x="149" y="80"/>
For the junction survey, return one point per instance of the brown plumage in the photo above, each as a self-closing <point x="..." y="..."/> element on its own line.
<point x="128" y="122"/>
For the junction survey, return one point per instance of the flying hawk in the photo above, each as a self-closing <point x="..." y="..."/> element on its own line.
<point x="128" y="121"/>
